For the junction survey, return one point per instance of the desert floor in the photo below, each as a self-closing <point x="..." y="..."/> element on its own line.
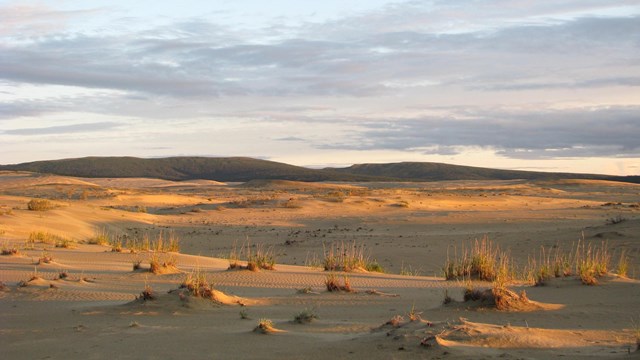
<point x="409" y="229"/>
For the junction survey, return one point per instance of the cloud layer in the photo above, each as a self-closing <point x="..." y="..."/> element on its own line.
<point x="542" y="81"/>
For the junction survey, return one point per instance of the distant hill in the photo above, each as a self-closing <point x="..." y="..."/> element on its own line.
<point x="241" y="169"/>
<point x="182" y="168"/>
<point x="427" y="171"/>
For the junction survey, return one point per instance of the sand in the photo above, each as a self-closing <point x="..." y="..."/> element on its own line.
<point x="95" y="312"/>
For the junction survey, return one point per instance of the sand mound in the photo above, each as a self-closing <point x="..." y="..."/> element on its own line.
<point x="503" y="299"/>
<point x="183" y="298"/>
<point x="21" y="180"/>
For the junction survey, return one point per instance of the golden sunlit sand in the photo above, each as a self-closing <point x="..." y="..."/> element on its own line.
<point x="68" y="295"/>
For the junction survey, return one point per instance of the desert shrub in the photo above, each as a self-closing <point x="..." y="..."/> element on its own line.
<point x="40" y="205"/>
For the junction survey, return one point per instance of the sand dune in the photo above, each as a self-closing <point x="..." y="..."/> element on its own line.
<point x="87" y="301"/>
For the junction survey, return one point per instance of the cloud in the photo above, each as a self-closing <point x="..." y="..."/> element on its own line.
<point x="198" y="59"/>
<point x="543" y="134"/>
<point x="34" y="20"/>
<point x="64" y="129"/>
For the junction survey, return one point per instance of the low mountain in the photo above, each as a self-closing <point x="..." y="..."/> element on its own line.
<point x="428" y="171"/>
<point x="226" y="169"/>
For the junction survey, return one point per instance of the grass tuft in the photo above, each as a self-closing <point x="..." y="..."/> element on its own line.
<point x="265" y="326"/>
<point x="333" y="284"/>
<point x="40" y="205"/>
<point x="305" y="316"/>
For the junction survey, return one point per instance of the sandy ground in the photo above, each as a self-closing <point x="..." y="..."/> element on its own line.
<point x="408" y="228"/>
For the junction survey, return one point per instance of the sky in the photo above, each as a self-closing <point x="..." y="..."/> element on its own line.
<point x="545" y="85"/>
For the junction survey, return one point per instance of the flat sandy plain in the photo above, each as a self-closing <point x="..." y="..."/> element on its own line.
<point x="409" y="228"/>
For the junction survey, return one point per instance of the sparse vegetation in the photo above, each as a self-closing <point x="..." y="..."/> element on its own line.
<point x="9" y="250"/>
<point x="485" y="262"/>
<point x="265" y="326"/>
<point x="446" y="299"/>
<point x="162" y="263"/>
<point x="592" y="262"/>
<point x="197" y="284"/>
<point x="408" y="271"/>
<point x="46" y="238"/>
<point x="40" y="205"/>
<point x="256" y="259"/>
<point x="147" y="294"/>
<point x="413" y="315"/>
<point x="395" y="321"/>
<point x="333" y="283"/>
<point x="45" y="258"/>
<point x="137" y="264"/>
<point x="244" y="315"/>
<point x="305" y="316"/>
<point x="623" y="264"/>
<point x="616" y="220"/>
<point x="100" y="237"/>
<point x="348" y="257"/>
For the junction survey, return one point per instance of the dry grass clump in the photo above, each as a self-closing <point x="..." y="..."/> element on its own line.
<point x="258" y="259"/>
<point x="45" y="258"/>
<point x="137" y="264"/>
<point x="160" y="263"/>
<point x="552" y="262"/>
<point x="484" y="262"/>
<point x="45" y="237"/>
<point x="348" y="257"/>
<point x="265" y="326"/>
<point x="147" y="294"/>
<point x="305" y="316"/>
<point x="197" y="284"/>
<point x="616" y="220"/>
<point x="40" y="205"/>
<point x="592" y="262"/>
<point x="100" y="237"/>
<point x="333" y="284"/>
<point x="623" y="264"/>
<point x="500" y="297"/>
<point x="9" y="251"/>
<point x="165" y="241"/>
